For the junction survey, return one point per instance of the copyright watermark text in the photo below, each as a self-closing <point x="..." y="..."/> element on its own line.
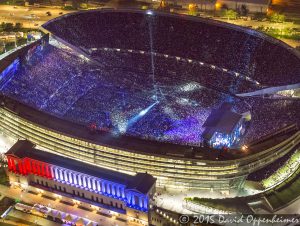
<point x="251" y="220"/>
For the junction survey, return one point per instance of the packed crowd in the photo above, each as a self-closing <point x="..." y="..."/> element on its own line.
<point x="270" y="169"/>
<point x="211" y="43"/>
<point x="113" y="90"/>
<point x="113" y="93"/>
<point x="183" y="69"/>
<point x="284" y="172"/>
<point x="270" y="115"/>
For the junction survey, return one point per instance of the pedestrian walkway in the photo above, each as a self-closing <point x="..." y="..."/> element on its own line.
<point x="17" y="193"/>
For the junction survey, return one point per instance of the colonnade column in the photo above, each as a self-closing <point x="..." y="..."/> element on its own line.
<point x="94" y="185"/>
<point x="103" y="186"/>
<point x="112" y="189"/>
<point x="123" y="192"/>
<point x="146" y="203"/>
<point x="75" y="178"/>
<point x="20" y="166"/>
<point x="24" y="167"/>
<point x="84" y="181"/>
<point x="89" y="182"/>
<point x="71" y="177"/>
<point x="66" y="178"/>
<point x="11" y="163"/>
<point x="52" y="170"/>
<point x="99" y="186"/>
<point x="118" y="191"/>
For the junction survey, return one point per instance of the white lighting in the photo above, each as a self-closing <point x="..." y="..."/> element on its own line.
<point x="149" y="12"/>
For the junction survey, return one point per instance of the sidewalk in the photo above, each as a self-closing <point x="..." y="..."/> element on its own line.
<point x="29" y="198"/>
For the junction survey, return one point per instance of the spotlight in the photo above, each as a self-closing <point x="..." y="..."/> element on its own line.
<point x="149" y="12"/>
<point x="140" y="114"/>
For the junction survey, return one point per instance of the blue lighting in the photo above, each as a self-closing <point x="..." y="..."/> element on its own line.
<point x="134" y="119"/>
<point x="220" y="140"/>
<point x="149" y="12"/>
<point x="145" y="111"/>
<point x="7" y="74"/>
<point x="106" y="190"/>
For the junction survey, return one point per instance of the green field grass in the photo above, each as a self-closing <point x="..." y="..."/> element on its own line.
<point x="283" y="172"/>
<point x="232" y="205"/>
<point x="285" y="193"/>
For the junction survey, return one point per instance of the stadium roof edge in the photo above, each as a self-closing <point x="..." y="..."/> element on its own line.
<point x="142" y="182"/>
<point x="187" y="17"/>
<point x="138" y="145"/>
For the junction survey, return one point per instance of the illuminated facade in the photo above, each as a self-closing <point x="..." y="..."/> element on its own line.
<point x="5" y="75"/>
<point x="172" y="171"/>
<point x="124" y="194"/>
<point x="224" y="127"/>
<point x="174" y="166"/>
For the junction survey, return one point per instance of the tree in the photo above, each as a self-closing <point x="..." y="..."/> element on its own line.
<point x="8" y="27"/>
<point x="230" y="14"/>
<point x="224" y="6"/>
<point x="75" y="4"/>
<point x="244" y="10"/>
<point x="259" y="16"/>
<point x="277" y="18"/>
<point x="18" y="26"/>
<point x="193" y="8"/>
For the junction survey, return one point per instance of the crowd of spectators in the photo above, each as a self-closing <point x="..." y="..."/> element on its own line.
<point x="183" y="82"/>
<point x="243" y="52"/>
<point x="270" y="169"/>
<point x="183" y="69"/>
<point x="112" y="93"/>
<point x="269" y="115"/>
<point x="284" y="172"/>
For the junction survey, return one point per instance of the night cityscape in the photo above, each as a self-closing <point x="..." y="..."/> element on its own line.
<point x="150" y="112"/>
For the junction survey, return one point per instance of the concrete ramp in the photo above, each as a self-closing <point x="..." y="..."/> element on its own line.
<point x="269" y="90"/>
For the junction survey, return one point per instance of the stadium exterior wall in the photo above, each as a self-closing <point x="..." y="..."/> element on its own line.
<point x="208" y="21"/>
<point x="171" y="172"/>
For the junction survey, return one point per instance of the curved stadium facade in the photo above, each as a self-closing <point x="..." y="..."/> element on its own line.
<point x="133" y="91"/>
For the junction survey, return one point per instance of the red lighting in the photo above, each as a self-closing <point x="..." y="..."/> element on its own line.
<point x="29" y="166"/>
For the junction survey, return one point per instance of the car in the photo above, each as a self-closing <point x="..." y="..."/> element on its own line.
<point x="48" y="13"/>
<point x="61" y="13"/>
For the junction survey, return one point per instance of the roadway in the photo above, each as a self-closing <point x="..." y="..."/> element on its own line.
<point x="55" y="204"/>
<point x="33" y="17"/>
<point x="5" y="143"/>
<point x="30" y="17"/>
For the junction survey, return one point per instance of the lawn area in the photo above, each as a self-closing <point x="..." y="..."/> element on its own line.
<point x="5" y="203"/>
<point x="232" y="205"/>
<point x="3" y="177"/>
<point x="285" y="193"/>
<point x="287" y="33"/>
<point x="282" y="173"/>
<point x="278" y="197"/>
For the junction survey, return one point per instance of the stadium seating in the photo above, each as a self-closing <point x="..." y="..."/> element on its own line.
<point x="196" y="66"/>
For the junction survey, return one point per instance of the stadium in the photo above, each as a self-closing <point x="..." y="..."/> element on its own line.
<point x="198" y="104"/>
